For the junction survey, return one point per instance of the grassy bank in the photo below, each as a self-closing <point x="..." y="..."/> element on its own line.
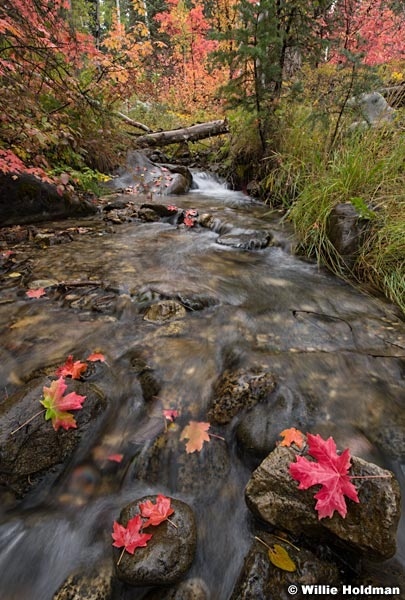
<point x="364" y="168"/>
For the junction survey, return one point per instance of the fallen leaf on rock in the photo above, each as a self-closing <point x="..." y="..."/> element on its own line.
<point x="281" y="559"/>
<point x="35" y="293"/>
<point x="292" y="436"/>
<point x="156" y="513"/>
<point x="95" y="356"/>
<point x="331" y="472"/>
<point x="57" y="404"/>
<point x="130" y="536"/>
<point x="71" y="368"/>
<point x="196" y="433"/>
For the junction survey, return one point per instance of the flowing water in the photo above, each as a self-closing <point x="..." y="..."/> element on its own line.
<point x="337" y="356"/>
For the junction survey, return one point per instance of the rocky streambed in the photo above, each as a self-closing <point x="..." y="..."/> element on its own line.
<point x="198" y="312"/>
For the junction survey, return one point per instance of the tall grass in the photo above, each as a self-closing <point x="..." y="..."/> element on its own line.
<point x="367" y="169"/>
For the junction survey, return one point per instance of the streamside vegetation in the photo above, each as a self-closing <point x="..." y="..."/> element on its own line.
<point x="81" y="80"/>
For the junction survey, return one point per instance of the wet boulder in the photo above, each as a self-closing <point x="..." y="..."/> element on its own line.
<point x="238" y="389"/>
<point x="259" y="429"/>
<point x="245" y="240"/>
<point x="167" y="463"/>
<point x="369" y="526"/>
<point x="167" y="556"/>
<point x="144" y="176"/>
<point x="346" y="229"/>
<point x="259" y="578"/>
<point x="87" y="586"/>
<point x="189" y="589"/>
<point x="33" y="456"/>
<point x="26" y="199"/>
<point x="165" y="310"/>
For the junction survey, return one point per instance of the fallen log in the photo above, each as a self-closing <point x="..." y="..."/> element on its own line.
<point x="185" y="134"/>
<point x="132" y="122"/>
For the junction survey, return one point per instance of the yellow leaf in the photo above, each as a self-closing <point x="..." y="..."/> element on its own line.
<point x="281" y="559"/>
<point x="14" y="274"/>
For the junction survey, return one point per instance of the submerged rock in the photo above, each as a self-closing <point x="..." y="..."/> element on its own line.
<point x="87" y="586"/>
<point x="259" y="429"/>
<point x="369" y="526"/>
<point x="167" y="463"/>
<point x="189" y="589"/>
<point x="169" y="553"/>
<point x="163" y="311"/>
<point x="238" y="389"/>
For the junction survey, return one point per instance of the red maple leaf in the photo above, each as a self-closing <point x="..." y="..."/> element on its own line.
<point x="196" y="433"/>
<point x="189" y="221"/>
<point x="130" y="536"/>
<point x="330" y="472"/>
<point x="71" y="368"/>
<point x="156" y="513"/>
<point x="35" y="293"/>
<point x="57" y="405"/>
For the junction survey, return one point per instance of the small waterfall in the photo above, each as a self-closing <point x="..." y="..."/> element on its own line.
<point x="209" y="183"/>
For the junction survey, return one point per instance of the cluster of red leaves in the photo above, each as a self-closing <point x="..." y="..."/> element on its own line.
<point x="75" y="368"/>
<point x="330" y="471"/>
<point x="54" y="401"/>
<point x="132" y="536"/>
<point x="190" y="218"/>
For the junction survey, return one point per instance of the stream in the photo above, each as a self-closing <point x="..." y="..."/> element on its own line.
<point x="336" y="353"/>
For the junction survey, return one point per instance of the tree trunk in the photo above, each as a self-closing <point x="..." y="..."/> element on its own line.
<point x="186" y="134"/>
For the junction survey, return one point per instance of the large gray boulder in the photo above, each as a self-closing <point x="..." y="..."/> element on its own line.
<point x="26" y="199"/>
<point x="373" y="109"/>
<point x="369" y="526"/>
<point x="347" y="230"/>
<point x="143" y="176"/>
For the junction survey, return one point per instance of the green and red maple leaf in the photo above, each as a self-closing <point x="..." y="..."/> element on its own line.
<point x="57" y="405"/>
<point x="330" y="470"/>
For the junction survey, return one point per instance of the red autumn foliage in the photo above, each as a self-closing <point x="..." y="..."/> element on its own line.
<point x="71" y="368"/>
<point x="35" y="293"/>
<point x="156" y="513"/>
<point x="330" y="471"/>
<point x="130" y="537"/>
